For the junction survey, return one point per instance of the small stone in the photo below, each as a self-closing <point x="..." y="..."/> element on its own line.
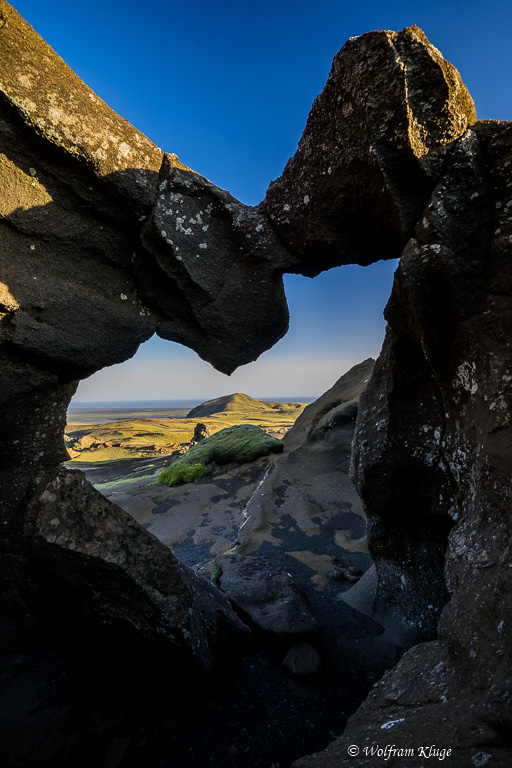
<point x="302" y="660"/>
<point x="115" y="752"/>
<point x="340" y="573"/>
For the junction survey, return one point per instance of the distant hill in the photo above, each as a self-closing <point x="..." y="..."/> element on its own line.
<point x="238" y="402"/>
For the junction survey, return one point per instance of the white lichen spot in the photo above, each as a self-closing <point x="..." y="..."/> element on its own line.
<point x="32" y="247"/>
<point x="286" y="207"/>
<point x="259" y="227"/>
<point x="203" y="245"/>
<point x="306" y="199"/>
<point x="391" y="723"/>
<point x="465" y="377"/>
<point x="163" y="233"/>
<point x="32" y="171"/>
<point x="481" y="759"/>
<point x="205" y="227"/>
<point x="25" y="80"/>
<point x="124" y="296"/>
<point x="124" y="149"/>
<point x="180" y="227"/>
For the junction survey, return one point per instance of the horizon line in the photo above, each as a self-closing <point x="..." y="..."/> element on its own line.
<point x="278" y="398"/>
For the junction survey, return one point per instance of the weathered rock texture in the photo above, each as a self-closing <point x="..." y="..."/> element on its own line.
<point x="104" y="241"/>
<point x="111" y="594"/>
<point x="432" y="458"/>
<point x="267" y="595"/>
<point x="371" y="153"/>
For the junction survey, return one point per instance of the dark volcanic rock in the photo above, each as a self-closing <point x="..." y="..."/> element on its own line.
<point x="372" y="150"/>
<point x="220" y="263"/>
<point x="200" y="432"/>
<point x="104" y="240"/>
<point x="432" y="462"/>
<point x="266" y="594"/>
<point x="126" y="613"/>
<point x="79" y="184"/>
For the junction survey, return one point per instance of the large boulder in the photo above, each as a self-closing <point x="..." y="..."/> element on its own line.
<point x="266" y="594"/>
<point x="432" y="457"/>
<point x="371" y="152"/>
<point x="125" y="612"/>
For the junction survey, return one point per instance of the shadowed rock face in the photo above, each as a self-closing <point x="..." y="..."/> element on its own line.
<point x="432" y="462"/>
<point x="103" y="243"/>
<point x="91" y="577"/>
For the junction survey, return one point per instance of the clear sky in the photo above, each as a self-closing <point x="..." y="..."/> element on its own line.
<point x="227" y="86"/>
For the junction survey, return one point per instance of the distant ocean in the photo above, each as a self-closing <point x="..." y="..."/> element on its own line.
<point x="91" y="412"/>
<point x="153" y="405"/>
<point x="130" y="405"/>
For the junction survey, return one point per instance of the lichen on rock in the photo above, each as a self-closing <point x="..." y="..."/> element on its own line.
<point x="105" y="240"/>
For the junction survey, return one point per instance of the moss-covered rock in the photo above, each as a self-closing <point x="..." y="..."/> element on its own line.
<point x="182" y="472"/>
<point x="241" y="443"/>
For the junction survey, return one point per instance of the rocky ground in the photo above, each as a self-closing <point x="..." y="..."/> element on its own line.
<point x="284" y="538"/>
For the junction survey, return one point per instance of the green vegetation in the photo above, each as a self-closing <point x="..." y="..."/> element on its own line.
<point x="159" y="433"/>
<point x="241" y="443"/>
<point x="238" y="402"/>
<point x="182" y="472"/>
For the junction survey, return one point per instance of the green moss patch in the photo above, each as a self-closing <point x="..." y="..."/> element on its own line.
<point x="241" y="443"/>
<point x="182" y="472"/>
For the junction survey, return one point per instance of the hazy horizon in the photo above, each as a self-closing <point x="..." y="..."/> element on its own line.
<point x="187" y="401"/>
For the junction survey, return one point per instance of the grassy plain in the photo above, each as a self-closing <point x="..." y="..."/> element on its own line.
<point x="159" y="433"/>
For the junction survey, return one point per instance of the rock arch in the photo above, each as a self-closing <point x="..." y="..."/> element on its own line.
<point x="391" y="158"/>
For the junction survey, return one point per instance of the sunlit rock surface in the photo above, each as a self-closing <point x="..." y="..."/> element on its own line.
<point x="372" y="150"/>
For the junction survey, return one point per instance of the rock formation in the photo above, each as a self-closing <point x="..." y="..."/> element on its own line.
<point x="105" y="240"/>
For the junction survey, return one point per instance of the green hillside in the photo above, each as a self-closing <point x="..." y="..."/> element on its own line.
<point x="161" y="433"/>
<point x="238" y="402"/>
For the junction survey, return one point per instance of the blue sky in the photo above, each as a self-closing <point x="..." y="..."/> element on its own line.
<point x="227" y="86"/>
